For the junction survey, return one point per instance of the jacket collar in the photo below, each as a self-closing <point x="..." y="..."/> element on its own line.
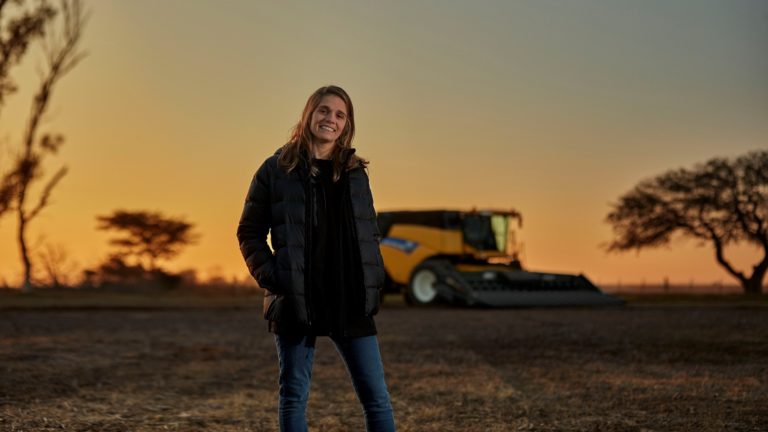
<point x="346" y="153"/>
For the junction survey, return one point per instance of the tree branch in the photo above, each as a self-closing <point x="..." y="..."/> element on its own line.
<point x="720" y="255"/>
<point x="762" y="228"/>
<point x="61" y="61"/>
<point x="741" y="216"/>
<point x="45" y="195"/>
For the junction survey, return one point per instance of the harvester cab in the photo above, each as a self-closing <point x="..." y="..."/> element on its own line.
<point x="471" y="258"/>
<point x="490" y="236"/>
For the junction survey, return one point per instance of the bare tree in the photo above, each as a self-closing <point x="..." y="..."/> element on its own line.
<point x="56" y="265"/>
<point x="62" y="30"/>
<point x="16" y="35"/>
<point x="722" y="202"/>
<point x="148" y="236"/>
<point x="24" y="26"/>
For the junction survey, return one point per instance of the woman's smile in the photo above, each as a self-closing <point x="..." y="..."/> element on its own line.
<point x="328" y="119"/>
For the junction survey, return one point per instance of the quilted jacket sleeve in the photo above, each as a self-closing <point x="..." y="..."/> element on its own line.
<point x="253" y="229"/>
<point x="376" y="231"/>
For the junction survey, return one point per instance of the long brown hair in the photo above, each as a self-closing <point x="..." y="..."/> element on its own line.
<point x="301" y="136"/>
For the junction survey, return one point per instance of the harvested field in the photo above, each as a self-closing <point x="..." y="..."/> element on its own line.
<point x="638" y="368"/>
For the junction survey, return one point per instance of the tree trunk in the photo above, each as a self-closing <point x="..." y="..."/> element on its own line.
<point x="27" y="287"/>
<point x="750" y="285"/>
<point x="754" y="285"/>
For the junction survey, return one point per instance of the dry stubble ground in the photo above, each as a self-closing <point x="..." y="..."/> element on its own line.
<point x="651" y="368"/>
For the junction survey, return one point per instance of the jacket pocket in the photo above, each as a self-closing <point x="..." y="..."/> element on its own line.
<point x="269" y="280"/>
<point x="272" y="305"/>
<point x="265" y="275"/>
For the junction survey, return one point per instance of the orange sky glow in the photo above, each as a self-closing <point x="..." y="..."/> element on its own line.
<point x="552" y="108"/>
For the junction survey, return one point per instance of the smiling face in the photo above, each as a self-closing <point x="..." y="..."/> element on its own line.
<point x="328" y="120"/>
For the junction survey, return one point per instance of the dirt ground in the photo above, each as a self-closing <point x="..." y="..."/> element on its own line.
<point x="650" y="368"/>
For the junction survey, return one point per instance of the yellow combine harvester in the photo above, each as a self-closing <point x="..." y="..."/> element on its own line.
<point x="471" y="258"/>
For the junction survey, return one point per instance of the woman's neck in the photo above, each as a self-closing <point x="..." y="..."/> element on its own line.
<point x="322" y="151"/>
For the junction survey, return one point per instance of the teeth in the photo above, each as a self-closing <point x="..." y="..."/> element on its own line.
<point x="327" y="128"/>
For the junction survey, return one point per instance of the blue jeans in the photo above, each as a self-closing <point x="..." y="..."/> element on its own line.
<point x="363" y="360"/>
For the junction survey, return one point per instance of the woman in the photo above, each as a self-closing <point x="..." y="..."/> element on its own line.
<point x="326" y="272"/>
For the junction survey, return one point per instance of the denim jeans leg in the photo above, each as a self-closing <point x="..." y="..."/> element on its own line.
<point x="295" y="355"/>
<point x="363" y="360"/>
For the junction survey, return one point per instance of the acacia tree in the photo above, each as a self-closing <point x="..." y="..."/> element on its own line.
<point x="60" y="40"/>
<point x="722" y="202"/>
<point x="147" y="236"/>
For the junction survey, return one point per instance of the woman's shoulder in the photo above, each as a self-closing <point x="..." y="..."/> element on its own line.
<point x="357" y="163"/>
<point x="269" y="165"/>
<point x="272" y="159"/>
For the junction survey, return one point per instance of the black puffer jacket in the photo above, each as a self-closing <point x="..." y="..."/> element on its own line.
<point x="278" y="201"/>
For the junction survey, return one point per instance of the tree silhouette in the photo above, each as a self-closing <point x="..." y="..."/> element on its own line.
<point x="57" y="269"/>
<point x="60" y="40"/>
<point x="147" y="236"/>
<point x="6" y="195"/>
<point x="16" y="34"/>
<point x="722" y="202"/>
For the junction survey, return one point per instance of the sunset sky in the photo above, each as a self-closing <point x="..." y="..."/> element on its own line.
<point x="554" y="108"/>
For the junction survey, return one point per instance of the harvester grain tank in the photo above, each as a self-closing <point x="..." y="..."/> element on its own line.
<point x="471" y="258"/>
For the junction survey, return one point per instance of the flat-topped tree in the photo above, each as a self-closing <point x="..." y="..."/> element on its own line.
<point x="147" y="237"/>
<point x="722" y="202"/>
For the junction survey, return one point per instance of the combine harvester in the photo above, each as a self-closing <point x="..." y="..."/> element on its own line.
<point x="471" y="258"/>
